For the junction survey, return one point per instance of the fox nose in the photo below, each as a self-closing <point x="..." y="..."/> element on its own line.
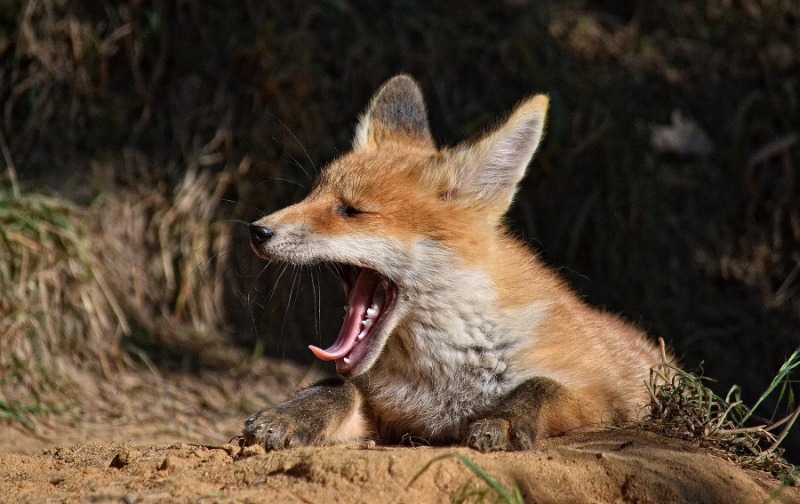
<point x="260" y="235"/>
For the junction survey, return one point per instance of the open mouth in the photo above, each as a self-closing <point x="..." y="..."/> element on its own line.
<point x="371" y="298"/>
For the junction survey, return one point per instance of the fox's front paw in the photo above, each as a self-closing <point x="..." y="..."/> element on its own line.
<point x="488" y="435"/>
<point x="275" y="430"/>
<point x="497" y="434"/>
<point x="269" y="429"/>
<point x="326" y="412"/>
<point x="516" y="422"/>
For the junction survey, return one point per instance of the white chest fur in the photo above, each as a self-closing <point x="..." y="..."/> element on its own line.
<point x="450" y="358"/>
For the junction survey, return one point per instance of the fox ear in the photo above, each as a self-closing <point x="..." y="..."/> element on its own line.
<point x="489" y="169"/>
<point x="395" y="114"/>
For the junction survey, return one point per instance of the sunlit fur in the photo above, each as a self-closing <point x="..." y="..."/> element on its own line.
<point x="477" y="313"/>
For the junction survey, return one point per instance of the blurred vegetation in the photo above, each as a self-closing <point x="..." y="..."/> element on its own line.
<point x="56" y="305"/>
<point x="118" y="105"/>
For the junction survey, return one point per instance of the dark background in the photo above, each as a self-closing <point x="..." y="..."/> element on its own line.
<point x="703" y="250"/>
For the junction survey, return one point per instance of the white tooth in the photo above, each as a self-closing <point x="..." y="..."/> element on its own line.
<point x="372" y="311"/>
<point x="346" y="360"/>
<point x="367" y="322"/>
<point x="362" y="334"/>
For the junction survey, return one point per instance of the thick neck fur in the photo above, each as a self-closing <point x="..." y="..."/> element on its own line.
<point x="450" y="357"/>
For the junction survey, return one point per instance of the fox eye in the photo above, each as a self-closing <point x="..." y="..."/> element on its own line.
<point x="346" y="210"/>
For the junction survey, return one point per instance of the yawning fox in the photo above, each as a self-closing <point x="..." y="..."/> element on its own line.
<point x="455" y="332"/>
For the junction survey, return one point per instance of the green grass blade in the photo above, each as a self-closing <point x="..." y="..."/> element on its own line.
<point x="493" y="483"/>
<point x="780" y="380"/>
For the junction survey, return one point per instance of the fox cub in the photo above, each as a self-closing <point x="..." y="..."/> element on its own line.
<point x="455" y="332"/>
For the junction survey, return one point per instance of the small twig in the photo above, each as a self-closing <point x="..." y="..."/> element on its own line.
<point x="785" y="431"/>
<point x="782" y="421"/>
<point x="12" y="171"/>
<point x="662" y="345"/>
<point x="773" y="148"/>
<point x="782" y="294"/>
<point x="724" y="416"/>
<point x="743" y="430"/>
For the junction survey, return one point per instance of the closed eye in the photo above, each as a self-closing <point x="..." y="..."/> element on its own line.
<point x="349" y="211"/>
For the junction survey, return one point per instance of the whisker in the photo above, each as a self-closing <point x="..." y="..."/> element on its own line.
<point x="254" y="286"/>
<point x="221" y="274"/>
<point x="295" y="139"/>
<point x="298" y="163"/>
<point x="258" y="348"/>
<point x="317" y="292"/>
<point x="277" y="281"/>
<point x="290" y="181"/>
<point x="288" y="306"/>
<point x="251" y="207"/>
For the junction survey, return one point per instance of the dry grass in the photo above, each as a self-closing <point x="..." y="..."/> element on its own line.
<point x="142" y="268"/>
<point x="683" y="406"/>
<point x="170" y="254"/>
<point x="57" y="308"/>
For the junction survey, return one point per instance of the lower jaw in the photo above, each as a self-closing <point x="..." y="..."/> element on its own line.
<point x="350" y="369"/>
<point x="343" y="368"/>
<point x="364" y="348"/>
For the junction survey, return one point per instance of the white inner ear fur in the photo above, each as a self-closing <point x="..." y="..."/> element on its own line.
<point x="361" y="137"/>
<point x="491" y="168"/>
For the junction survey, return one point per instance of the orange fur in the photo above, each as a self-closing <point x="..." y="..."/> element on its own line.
<point x="427" y="205"/>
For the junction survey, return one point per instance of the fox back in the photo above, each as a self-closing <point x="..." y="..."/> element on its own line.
<point x="449" y="316"/>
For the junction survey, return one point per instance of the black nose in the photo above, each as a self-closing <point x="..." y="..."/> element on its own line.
<point x="260" y="235"/>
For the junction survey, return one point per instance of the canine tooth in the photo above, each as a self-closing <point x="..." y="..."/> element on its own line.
<point x="362" y="334"/>
<point x="346" y="360"/>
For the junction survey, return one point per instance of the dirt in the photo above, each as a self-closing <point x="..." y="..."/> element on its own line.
<point x="166" y="438"/>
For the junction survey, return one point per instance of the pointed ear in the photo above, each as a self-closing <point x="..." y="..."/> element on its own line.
<point x="395" y="114"/>
<point x="488" y="170"/>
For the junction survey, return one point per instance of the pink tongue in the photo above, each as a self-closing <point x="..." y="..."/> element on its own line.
<point x="360" y="300"/>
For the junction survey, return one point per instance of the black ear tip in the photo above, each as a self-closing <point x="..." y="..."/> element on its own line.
<point x="400" y="106"/>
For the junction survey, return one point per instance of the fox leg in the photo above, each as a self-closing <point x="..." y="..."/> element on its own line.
<point x="539" y="407"/>
<point x="330" y="411"/>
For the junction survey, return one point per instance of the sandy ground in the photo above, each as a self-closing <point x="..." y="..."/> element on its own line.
<point x="166" y="439"/>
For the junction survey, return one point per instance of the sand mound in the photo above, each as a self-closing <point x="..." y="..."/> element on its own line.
<point x="615" y="466"/>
